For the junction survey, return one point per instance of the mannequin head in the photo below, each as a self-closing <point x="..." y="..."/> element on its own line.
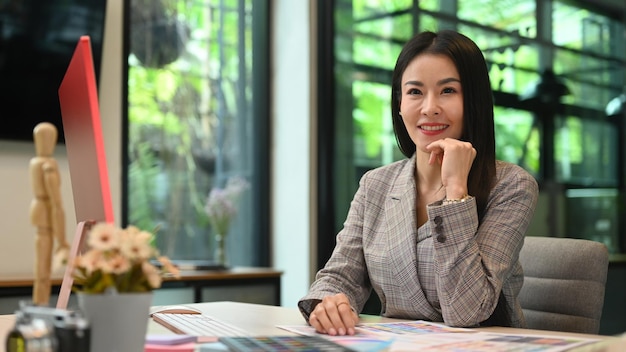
<point x="45" y="136"/>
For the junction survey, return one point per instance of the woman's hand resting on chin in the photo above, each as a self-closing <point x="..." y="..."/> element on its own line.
<point x="456" y="159"/>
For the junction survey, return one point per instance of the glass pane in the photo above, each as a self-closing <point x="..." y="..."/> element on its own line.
<point x="430" y="5"/>
<point x="428" y="23"/>
<point x="374" y="141"/>
<point x="517" y="16"/>
<point x="586" y="152"/>
<point x="189" y="121"/>
<point x="594" y="214"/>
<point x="512" y="65"/>
<point x="592" y="82"/>
<point x="376" y="8"/>
<point x="582" y="29"/>
<point x="517" y="140"/>
<point x="375" y="52"/>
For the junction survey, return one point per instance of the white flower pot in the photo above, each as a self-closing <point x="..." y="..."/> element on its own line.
<point x="118" y="321"/>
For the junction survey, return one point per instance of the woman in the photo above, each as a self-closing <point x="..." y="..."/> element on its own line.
<point x="437" y="235"/>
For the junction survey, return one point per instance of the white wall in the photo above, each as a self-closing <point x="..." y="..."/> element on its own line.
<point x="17" y="235"/>
<point x="291" y="152"/>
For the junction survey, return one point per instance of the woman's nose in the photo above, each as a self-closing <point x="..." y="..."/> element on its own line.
<point x="430" y="106"/>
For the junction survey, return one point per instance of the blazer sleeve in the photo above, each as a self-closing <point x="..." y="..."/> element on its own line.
<point x="346" y="270"/>
<point x="473" y="260"/>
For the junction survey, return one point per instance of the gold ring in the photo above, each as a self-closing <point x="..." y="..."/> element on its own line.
<point x="340" y="303"/>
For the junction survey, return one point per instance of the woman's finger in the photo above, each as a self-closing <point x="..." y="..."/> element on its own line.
<point x="334" y="316"/>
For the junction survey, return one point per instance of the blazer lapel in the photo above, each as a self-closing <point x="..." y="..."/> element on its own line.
<point x="400" y="215"/>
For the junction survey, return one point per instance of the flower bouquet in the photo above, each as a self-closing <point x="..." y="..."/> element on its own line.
<point x="119" y="260"/>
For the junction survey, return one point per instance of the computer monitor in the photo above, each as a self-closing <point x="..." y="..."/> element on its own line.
<point x="78" y="97"/>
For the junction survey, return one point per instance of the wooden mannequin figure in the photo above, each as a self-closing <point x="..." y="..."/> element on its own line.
<point x="46" y="210"/>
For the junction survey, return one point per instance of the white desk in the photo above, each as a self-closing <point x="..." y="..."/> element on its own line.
<point x="262" y="320"/>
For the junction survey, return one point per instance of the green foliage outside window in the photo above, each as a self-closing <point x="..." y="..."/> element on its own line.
<point x="511" y="50"/>
<point x="187" y="102"/>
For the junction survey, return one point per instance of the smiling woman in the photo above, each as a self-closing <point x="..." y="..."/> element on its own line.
<point x="449" y="218"/>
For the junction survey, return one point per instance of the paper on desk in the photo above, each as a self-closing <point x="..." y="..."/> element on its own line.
<point x="372" y="337"/>
<point x="361" y="342"/>
<point x="427" y="336"/>
<point x="392" y="329"/>
<point x="490" y="342"/>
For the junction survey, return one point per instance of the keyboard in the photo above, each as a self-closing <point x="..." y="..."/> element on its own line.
<point x="200" y="325"/>
<point x="281" y="343"/>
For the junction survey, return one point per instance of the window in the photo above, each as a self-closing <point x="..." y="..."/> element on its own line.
<point x="582" y="44"/>
<point x="197" y="116"/>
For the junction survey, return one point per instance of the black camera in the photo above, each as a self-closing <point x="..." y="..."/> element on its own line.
<point x="40" y="328"/>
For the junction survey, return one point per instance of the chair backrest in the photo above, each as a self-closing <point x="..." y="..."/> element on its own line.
<point x="564" y="283"/>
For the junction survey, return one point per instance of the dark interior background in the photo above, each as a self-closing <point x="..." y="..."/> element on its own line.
<point x="37" y="40"/>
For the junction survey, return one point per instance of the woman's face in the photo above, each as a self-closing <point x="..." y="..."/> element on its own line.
<point x="432" y="100"/>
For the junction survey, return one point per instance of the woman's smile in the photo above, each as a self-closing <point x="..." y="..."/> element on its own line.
<point x="432" y="129"/>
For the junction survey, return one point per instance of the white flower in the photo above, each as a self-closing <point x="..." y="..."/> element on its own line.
<point x="136" y="245"/>
<point x="152" y="274"/>
<point x="119" y="260"/>
<point x="116" y="264"/>
<point x="90" y="261"/>
<point x="104" y="236"/>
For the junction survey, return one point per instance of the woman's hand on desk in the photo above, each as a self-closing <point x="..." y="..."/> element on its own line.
<point x="334" y="316"/>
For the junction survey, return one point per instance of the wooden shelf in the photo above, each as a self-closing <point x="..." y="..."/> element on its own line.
<point x="20" y="285"/>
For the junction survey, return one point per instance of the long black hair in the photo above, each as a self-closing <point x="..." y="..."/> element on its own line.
<point x="478" y="124"/>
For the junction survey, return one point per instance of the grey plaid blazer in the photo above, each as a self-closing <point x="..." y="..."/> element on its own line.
<point x="452" y="269"/>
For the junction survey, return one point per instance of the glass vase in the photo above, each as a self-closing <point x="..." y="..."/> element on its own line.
<point x="220" y="250"/>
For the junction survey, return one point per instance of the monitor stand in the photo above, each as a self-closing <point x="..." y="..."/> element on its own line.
<point x="82" y="228"/>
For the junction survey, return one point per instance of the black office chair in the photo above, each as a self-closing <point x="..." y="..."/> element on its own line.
<point x="564" y="283"/>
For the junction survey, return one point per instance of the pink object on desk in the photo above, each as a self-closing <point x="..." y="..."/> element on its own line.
<point x="176" y="343"/>
<point x="175" y="309"/>
<point x="186" y="347"/>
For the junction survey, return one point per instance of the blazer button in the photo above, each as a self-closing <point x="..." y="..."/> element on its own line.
<point x="438" y="220"/>
<point x="439" y="228"/>
<point x="441" y="238"/>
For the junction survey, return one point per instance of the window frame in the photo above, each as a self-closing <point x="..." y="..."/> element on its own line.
<point x="260" y="167"/>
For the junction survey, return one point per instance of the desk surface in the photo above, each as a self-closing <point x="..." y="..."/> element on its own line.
<point x="262" y="320"/>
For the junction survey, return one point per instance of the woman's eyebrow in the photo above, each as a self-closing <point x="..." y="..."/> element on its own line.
<point x="448" y="80"/>
<point x="439" y="83"/>
<point x="414" y="83"/>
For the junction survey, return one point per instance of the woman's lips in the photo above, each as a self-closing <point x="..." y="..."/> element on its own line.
<point x="433" y="128"/>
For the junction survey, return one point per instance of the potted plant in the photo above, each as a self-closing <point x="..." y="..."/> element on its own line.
<point x="114" y="277"/>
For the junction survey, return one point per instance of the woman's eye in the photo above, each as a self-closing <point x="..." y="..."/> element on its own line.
<point x="448" y="90"/>
<point x="414" y="91"/>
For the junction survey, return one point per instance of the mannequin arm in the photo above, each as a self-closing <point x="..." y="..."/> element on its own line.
<point x="52" y="184"/>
